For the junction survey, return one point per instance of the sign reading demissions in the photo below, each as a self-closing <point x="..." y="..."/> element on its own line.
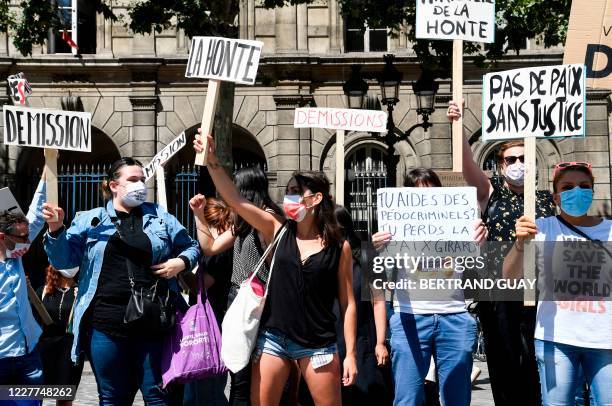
<point x="546" y="101"/>
<point x="43" y="128"/>
<point x="164" y="155"/>
<point x="225" y="59"/>
<point x="341" y="119"/>
<point x="470" y="20"/>
<point x="428" y="214"/>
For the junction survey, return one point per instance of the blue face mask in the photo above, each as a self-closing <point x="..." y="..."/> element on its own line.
<point x="576" y="202"/>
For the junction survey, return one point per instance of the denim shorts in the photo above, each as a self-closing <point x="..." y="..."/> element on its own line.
<point x="274" y="342"/>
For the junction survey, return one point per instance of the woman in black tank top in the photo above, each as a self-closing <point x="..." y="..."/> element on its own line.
<point x="313" y="267"/>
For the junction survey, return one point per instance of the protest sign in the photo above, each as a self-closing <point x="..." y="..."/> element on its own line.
<point x="164" y="155"/>
<point x="218" y="59"/>
<point x="8" y="201"/>
<point x="428" y="214"/>
<point x="469" y="20"/>
<point x="341" y="119"/>
<point x="589" y="40"/>
<point x="43" y="128"/>
<point x="19" y="88"/>
<point x="534" y="102"/>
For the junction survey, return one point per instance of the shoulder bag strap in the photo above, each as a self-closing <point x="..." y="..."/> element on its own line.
<point x="129" y="264"/>
<point x="582" y="234"/>
<point x="270" y="247"/>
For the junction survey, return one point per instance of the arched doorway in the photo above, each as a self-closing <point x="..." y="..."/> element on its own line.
<point x="79" y="177"/>
<point x="184" y="179"/>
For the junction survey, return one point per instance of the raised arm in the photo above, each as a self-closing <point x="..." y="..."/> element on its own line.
<point x="208" y="243"/>
<point x="474" y="176"/>
<point x="259" y="219"/>
<point x="65" y="248"/>
<point x="35" y="216"/>
<point x="513" y="263"/>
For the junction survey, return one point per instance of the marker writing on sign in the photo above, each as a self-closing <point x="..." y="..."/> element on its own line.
<point x="220" y="57"/>
<point x="50" y="129"/>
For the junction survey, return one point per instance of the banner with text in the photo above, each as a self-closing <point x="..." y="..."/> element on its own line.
<point x="547" y="101"/>
<point x="19" y="88"/>
<point x="428" y="214"/>
<point x="470" y="20"/>
<point x="341" y="119"/>
<point x="225" y="59"/>
<point x="164" y="155"/>
<point x="8" y="202"/>
<point x="43" y="128"/>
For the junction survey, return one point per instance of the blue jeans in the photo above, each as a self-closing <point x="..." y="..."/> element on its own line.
<point x="24" y="370"/>
<point x="559" y="366"/>
<point x="276" y="343"/>
<point x="415" y="338"/>
<point x="124" y="365"/>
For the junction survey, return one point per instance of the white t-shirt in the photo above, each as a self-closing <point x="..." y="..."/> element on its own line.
<point x="579" y="323"/>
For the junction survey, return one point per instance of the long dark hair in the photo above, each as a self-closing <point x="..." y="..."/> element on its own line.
<point x="325" y="218"/>
<point x="252" y="184"/>
<point x="345" y="222"/>
<point x="421" y="177"/>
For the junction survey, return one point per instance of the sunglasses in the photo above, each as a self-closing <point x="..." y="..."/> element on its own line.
<point x="19" y="238"/>
<point x="510" y="160"/>
<point x="566" y="165"/>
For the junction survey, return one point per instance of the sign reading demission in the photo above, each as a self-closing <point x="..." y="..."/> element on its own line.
<point x="43" y="128"/>
<point x="546" y="101"/>
<point x="164" y="155"/>
<point x="225" y="59"/>
<point x="469" y="20"/>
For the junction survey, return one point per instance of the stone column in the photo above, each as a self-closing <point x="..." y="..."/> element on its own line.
<point x="286" y="29"/>
<point x="336" y="25"/>
<point x="104" y="41"/>
<point x="144" y="132"/>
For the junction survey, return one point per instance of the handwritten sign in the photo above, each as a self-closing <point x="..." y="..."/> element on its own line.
<point x="589" y="40"/>
<point x="8" y="202"/>
<point x="19" y="88"/>
<point x="341" y="119"/>
<point x="225" y="59"/>
<point x="470" y="20"/>
<point x="164" y="155"/>
<point x="534" y="102"/>
<point x="428" y="214"/>
<point x="43" y="128"/>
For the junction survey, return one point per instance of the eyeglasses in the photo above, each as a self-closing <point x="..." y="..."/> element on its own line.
<point x="19" y="238"/>
<point x="566" y="165"/>
<point x="510" y="160"/>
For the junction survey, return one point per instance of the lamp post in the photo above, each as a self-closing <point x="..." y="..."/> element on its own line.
<point x="355" y="88"/>
<point x="424" y="88"/>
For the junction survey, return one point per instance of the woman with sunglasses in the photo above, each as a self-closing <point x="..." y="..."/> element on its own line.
<point x="312" y="268"/>
<point x="506" y="325"/>
<point x="570" y="334"/>
<point x="128" y="247"/>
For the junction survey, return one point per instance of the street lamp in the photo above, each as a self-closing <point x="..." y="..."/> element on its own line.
<point x="355" y="88"/>
<point x="424" y="88"/>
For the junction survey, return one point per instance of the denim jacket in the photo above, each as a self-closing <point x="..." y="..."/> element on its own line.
<point x="83" y="245"/>
<point x="19" y="331"/>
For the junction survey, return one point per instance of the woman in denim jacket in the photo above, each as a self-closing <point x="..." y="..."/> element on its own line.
<point x="129" y="243"/>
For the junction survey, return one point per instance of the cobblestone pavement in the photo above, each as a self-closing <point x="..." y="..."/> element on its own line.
<point x="87" y="394"/>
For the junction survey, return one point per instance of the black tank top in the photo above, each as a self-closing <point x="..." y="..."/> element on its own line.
<point x="301" y="297"/>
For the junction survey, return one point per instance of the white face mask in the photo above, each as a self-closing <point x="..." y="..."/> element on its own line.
<point x="135" y="194"/>
<point x="19" y="251"/>
<point x="515" y="174"/>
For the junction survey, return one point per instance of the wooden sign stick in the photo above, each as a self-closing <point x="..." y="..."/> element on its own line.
<point x="458" y="97"/>
<point x="38" y="305"/>
<point x="208" y="118"/>
<point x="160" y="180"/>
<point x="51" y="177"/>
<point x="340" y="167"/>
<point x="529" y="201"/>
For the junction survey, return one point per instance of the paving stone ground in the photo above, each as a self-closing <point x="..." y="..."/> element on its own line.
<point x="87" y="394"/>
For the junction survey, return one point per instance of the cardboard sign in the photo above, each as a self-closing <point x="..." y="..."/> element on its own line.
<point x="43" y="128"/>
<point x="8" y="201"/>
<point x="225" y="59"/>
<point x="589" y="40"/>
<point x="428" y="214"/>
<point x="341" y="119"/>
<point x="546" y="101"/>
<point x="164" y="155"/>
<point x="469" y="20"/>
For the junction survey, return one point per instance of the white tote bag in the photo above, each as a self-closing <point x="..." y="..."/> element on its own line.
<point x="241" y="322"/>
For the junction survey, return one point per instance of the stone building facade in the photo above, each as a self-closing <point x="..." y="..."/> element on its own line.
<point x="135" y="88"/>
